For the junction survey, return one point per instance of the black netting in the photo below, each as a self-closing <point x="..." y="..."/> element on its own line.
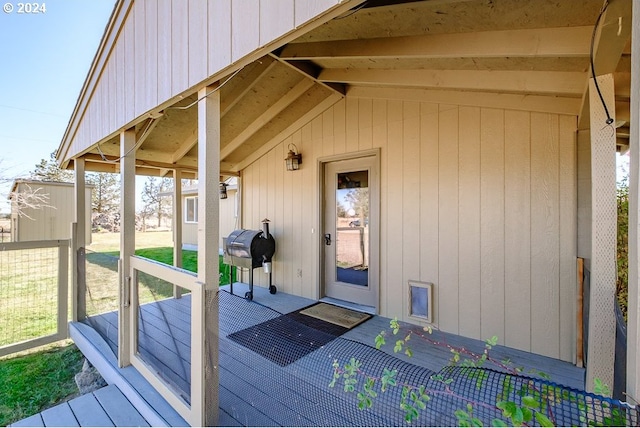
<point x="301" y="393"/>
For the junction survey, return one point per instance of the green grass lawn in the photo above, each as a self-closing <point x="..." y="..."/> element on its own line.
<point x="34" y="382"/>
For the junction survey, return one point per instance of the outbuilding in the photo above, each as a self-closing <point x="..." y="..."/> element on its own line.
<point x="44" y="210"/>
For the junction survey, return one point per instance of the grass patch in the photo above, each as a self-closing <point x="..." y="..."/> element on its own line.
<point x="34" y="382"/>
<point x="102" y="277"/>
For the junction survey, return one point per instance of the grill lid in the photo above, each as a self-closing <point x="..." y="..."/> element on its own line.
<point x="239" y="242"/>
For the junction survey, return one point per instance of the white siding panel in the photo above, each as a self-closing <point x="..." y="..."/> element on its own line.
<point x="469" y="221"/>
<point x="568" y="235"/>
<point x="429" y="219"/>
<point x="120" y="82"/>
<point x="379" y="141"/>
<point x="245" y="27"/>
<point x="545" y="245"/>
<point x="518" y="229"/>
<point x="179" y="43"/>
<point x="410" y="189"/>
<point x="308" y="179"/>
<point x="393" y="223"/>
<point x="151" y="55"/>
<point x="352" y="125"/>
<point x="164" y="49"/>
<point x="340" y="130"/>
<point x="110" y="122"/>
<point x="448" y="217"/>
<point x="129" y="69"/>
<point x="219" y="34"/>
<point x="327" y="133"/>
<point x="492" y="248"/>
<point x="296" y="212"/>
<point x="308" y="9"/>
<point x="140" y="59"/>
<point x="286" y="246"/>
<point x="278" y="227"/>
<point x="276" y="19"/>
<point x="198" y="41"/>
<point x="365" y="118"/>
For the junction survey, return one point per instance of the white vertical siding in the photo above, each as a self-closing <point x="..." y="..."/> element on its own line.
<point x="480" y="202"/>
<point x="166" y="47"/>
<point x="518" y="228"/>
<point x="469" y="220"/>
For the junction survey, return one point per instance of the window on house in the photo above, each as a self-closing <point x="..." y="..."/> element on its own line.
<point x="191" y="210"/>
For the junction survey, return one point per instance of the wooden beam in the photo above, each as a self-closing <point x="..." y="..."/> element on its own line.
<point x="78" y="253"/>
<point x="543" y="42"/>
<point x="177" y="227"/>
<point x="111" y="160"/>
<point x="297" y="91"/>
<point x="633" y="311"/>
<point x="614" y="30"/>
<point x="311" y="71"/>
<point x="561" y="83"/>
<point x="127" y="243"/>
<point x="186" y="145"/>
<point x="145" y="130"/>
<point x="204" y="306"/>
<point x="602" y="322"/>
<point x="537" y="103"/>
<point x="307" y="117"/>
<point x="245" y="82"/>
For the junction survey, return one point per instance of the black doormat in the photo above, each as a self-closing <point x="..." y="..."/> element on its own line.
<point x="289" y="337"/>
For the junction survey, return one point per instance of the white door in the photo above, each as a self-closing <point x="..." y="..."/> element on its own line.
<point x="350" y="235"/>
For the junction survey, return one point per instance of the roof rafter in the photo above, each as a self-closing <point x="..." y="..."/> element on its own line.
<point x="567" y="83"/>
<point x="297" y="91"/>
<point x="259" y="70"/>
<point x="544" y="42"/>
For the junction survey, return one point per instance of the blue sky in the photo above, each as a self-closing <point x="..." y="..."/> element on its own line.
<point x="44" y="59"/>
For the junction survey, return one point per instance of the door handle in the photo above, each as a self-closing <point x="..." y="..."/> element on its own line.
<point x="327" y="239"/>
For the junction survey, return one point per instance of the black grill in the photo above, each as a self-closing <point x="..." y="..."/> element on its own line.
<point x="250" y="249"/>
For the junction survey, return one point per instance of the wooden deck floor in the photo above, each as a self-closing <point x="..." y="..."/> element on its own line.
<point x="106" y="407"/>
<point x="254" y="391"/>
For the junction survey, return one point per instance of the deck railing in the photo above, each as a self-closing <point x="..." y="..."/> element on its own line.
<point x="34" y="294"/>
<point x="149" y="278"/>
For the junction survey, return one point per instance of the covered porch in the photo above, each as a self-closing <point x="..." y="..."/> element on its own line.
<point x="259" y="390"/>
<point x="484" y="133"/>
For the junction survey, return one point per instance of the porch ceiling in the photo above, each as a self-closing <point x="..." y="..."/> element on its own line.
<point x="531" y="55"/>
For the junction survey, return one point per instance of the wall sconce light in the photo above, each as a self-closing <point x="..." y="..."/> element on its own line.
<point x="223" y="190"/>
<point x="293" y="159"/>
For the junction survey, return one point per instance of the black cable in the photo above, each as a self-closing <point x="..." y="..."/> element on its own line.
<point x="593" y="68"/>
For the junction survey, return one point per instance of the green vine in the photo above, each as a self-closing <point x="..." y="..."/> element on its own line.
<point x="535" y="400"/>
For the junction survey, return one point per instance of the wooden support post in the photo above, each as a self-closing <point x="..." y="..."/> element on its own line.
<point x="633" y="311"/>
<point x="78" y="251"/>
<point x="602" y="323"/>
<point x="204" y="307"/>
<point x="177" y="226"/>
<point x="579" y="314"/>
<point x="127" y="242"/>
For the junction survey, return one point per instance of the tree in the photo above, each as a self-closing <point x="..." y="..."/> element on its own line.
<point x="105" y="200"/>
<point x="48" y="170"/>
<point x="358" y="198"/>
<point x="153" y="201"/>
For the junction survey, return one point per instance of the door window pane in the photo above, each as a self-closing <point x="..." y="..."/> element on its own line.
<point x="352" y="228"/>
